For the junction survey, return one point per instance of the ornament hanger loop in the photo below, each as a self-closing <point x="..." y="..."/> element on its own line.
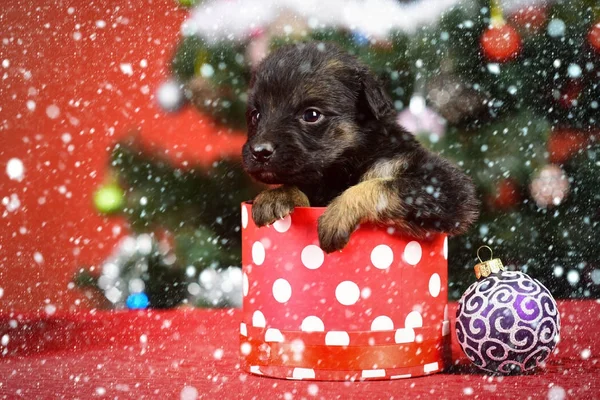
<point x="485" y="247"/>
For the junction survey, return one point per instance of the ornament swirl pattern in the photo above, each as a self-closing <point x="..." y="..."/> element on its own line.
<point x="507" y="323"/>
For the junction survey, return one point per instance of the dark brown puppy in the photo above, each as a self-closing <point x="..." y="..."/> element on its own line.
<point x="321" y="125"/>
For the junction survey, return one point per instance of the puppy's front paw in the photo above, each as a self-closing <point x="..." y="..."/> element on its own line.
<point x="335" y="228"/>
<point x="268" y="209"/>
<point x="274" y="204"/>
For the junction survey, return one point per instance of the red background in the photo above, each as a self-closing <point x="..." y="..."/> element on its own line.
<point x="98" y="103"/>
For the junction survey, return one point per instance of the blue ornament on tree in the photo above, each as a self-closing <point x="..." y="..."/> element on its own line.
<point x="137" y="301"/>
<point x="360" y="38"/>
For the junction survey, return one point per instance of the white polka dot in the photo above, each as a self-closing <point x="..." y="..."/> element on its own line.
<point x="244" y="217"/>
<point x="245" y="284"/>
<point x="243" y="329"/>
<point x="273" y="335"/>
<point x="258" y="253"/>
<point x="283" y="224"/>
<point x="405" y="335"/>
<point x="382" y="256"/>
<point x="373" y="373"/>
<point x="303" y="373"/>
<point x="413" y="320"/>
<point x="435" y="285"/>
<point x="337" y="338"/>
<point x="431" y="367"/>
<point x="312" y="256"/>
<point x="403" y="376"/>
<point x="382" y="323"/>
<point x="255" y="369"/>
<point x="282" y="290"/>
<point x="412" y="253"/>
<point x="445" y="328"/>
<point x="446" y="248"/>
<point x="312" y="324"/>
<point x="258" y="319"/>
<point x="347" y="293"/>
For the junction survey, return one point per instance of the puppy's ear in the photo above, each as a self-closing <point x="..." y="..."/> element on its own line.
<point x="374" y="95"/>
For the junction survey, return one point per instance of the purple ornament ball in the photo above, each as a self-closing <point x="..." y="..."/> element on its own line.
<point x="507" y="323"/>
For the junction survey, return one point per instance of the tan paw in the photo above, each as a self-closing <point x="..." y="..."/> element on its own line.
<point x="335" y="227"/>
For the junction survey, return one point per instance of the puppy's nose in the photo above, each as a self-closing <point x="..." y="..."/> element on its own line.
<point x="262" y="151"/>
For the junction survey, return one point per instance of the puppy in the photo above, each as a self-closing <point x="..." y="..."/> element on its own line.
<point x="321" y="126"/>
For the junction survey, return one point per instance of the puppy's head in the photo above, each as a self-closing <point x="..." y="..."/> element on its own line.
<point x="306" y="106"/>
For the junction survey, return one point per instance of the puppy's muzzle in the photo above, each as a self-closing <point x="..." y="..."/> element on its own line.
<point x="262" y="152"/>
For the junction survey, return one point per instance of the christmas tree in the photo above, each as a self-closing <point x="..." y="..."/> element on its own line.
<point x="510" y="95"/>
<point x="185" y="242"/>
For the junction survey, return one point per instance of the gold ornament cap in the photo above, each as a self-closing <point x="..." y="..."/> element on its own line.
<point x="491" y="266"/>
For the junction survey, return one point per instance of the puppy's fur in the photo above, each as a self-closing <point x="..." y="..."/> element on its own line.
<point x="356" y="159"/>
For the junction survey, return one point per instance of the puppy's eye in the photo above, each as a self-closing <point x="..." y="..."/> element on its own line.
<point x="254" y="117"/>
<point x="311" y="116"/>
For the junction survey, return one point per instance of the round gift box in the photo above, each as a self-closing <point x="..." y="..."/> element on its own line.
<point x="375" y="310"/>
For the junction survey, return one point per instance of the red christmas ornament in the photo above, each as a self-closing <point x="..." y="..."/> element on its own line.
<point x="594" y="36"/>
<point x="501" y="43"/>
<point x="563" y="144"/>
<point x="507" y="194"/>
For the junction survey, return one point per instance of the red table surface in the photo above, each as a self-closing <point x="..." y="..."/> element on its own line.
<point x="176" y="353"/>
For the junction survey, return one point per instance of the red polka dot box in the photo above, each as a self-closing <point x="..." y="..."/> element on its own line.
<point x="375" y="310"/>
